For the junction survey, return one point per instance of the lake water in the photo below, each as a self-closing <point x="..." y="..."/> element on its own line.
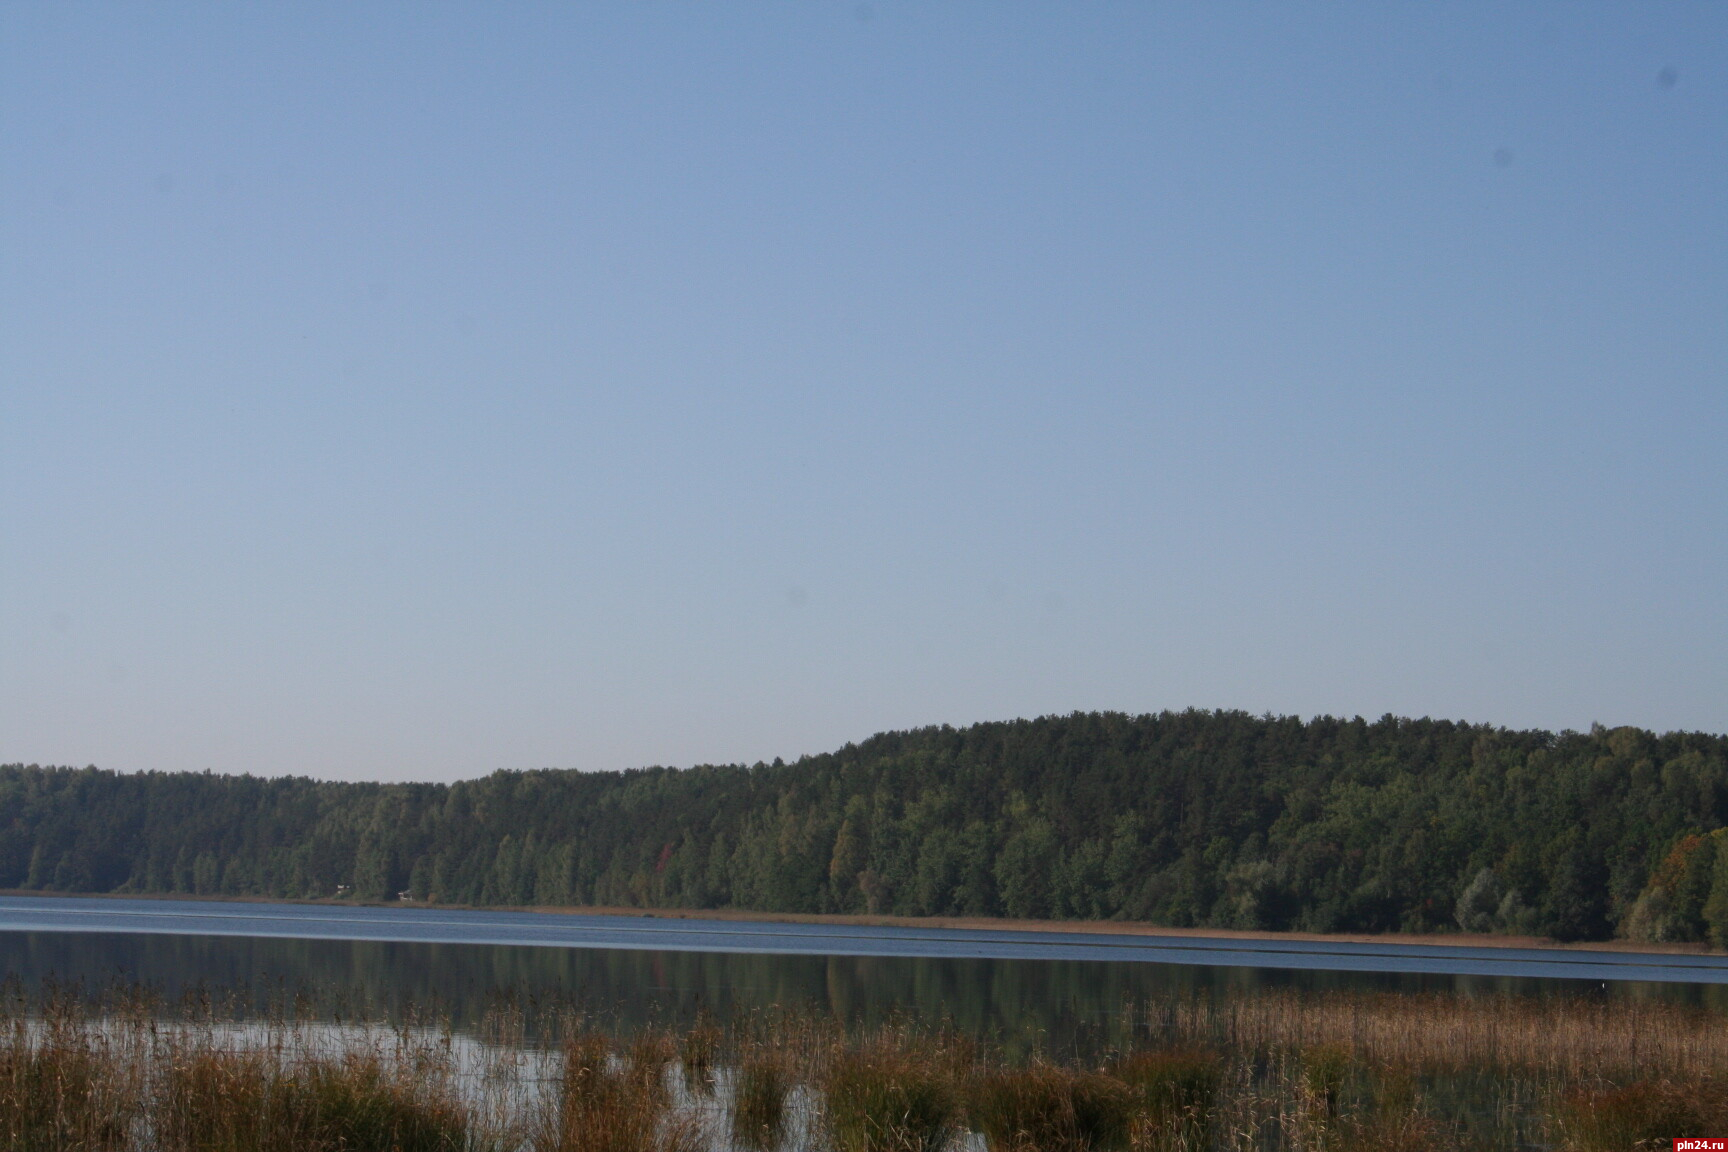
<point x="1060" y="987"/>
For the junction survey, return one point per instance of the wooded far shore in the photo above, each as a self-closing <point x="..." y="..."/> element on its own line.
<point x="1215" y="820"/>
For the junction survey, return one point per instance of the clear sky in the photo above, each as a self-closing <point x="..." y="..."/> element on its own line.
<point x="412" y="390"/>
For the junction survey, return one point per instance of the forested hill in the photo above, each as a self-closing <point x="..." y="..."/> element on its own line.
<point x="1193" y="818"/>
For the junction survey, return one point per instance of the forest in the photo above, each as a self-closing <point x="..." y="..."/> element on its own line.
<point x="1187" y="819"/>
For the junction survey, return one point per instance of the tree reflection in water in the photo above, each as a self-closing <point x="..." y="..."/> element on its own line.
<point x="1061" y="1006"/>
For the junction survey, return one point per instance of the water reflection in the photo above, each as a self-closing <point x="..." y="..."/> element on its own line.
<point x="1058" y="1003"/>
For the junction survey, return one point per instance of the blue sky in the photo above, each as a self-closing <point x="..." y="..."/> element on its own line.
<point x="411" y="390"/>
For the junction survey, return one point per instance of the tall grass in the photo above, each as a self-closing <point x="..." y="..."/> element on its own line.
<point x="890" y="1096"/>
<point x="759" y="1098"/>
<point x="1265" y="1072"/>
<point x="698" y="1050"/>
<point x="1176" y="1093"/>
<point x="1635" y="1115"/>
<point x="1568" y="1037"/>
<point x="1048" y="1108"/>
<point x="63" y="1085"/>
<point x="248" y="1102"/>
<point x="611" y="1101"/>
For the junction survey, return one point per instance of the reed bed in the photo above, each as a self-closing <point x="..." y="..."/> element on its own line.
<point x="1571" y="1037"/>
<point x="1263" y="1072"/>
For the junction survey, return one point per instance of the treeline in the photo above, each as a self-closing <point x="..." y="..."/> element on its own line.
<point x="1195" y="818"/>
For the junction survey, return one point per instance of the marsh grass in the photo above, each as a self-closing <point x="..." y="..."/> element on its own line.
<point x="608" y="1100"/>
<point x="1642" y="1114"/>
<point x="1049" y="1108"/>
<point x="63" y="1085"/>
<point x="1573" y="1038"/>
<point x="759" y="1098"/>
<point x="248" y="1101"/>
<point x="890" y="1095"/>
<point x="698" y="1051"/>
<point x="1262" y="1072"/>
<point x="1176" y="1092"/>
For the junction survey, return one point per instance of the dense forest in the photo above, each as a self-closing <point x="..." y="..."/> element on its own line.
<point x="1189" y="819"/>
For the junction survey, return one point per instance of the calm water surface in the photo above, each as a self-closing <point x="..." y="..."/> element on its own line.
<point x="1053" y="987"/>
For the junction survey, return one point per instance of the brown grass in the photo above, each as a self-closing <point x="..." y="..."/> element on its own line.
<point x="1572" y="1038"/>
<point x="250" y="1101"/>
<point x="1316" y="1073"/>
<point x="1176" y="1092"/>
<point x="698" y="1050"/>
<point x="607" y="1101"/>
<point x="759" y="1097"/>
<point x="1049" y="1108"/>
<point x="63" y="1085"/>
<point x="888" y="1095"/>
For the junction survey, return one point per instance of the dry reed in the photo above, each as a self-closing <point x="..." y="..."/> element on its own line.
<point x="1048" y="1108"/>
<point x="247" y="1101"/>
<point x="889" y="1096"/>
<point x="1176" y="1092"/>
<point x="1569" y="1037"/>
<point x="759" y="1096"/>
<point x="1266" y="1072"/>
<point x="64" y="1084"/>
<point x="607" y="1101"/>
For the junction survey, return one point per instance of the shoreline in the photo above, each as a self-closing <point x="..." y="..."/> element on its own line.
<point x="975" y="923"/>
